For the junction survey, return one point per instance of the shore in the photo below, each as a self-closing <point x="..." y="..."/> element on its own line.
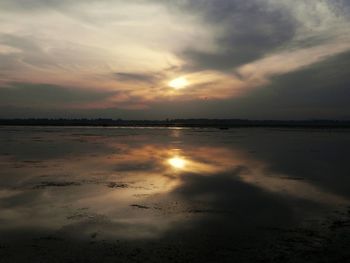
<point x="190" y="123"/>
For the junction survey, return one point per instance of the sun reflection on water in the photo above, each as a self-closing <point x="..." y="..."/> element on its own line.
<point x="136" y="186"/>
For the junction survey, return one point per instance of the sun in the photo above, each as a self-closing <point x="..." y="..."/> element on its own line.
<point x="177" y="162"/>
<point x="178" y="83"/>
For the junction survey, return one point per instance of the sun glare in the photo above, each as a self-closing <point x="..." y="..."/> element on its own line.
<point x="178" y="83"/>
<point x="177" y="162"/>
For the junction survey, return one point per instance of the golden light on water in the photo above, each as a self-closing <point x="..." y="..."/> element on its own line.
<point x="177" y="162"/>
<point x="178" y="83"/>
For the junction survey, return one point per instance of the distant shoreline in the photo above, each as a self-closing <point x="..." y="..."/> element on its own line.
<point x="181" y="123"/>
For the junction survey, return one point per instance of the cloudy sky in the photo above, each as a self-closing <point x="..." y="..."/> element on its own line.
<point x="155" y="59"/>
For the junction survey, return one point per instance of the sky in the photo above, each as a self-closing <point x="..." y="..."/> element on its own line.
<point x="157" y="59"/>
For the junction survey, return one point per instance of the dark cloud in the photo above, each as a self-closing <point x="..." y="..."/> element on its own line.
<point x="135" y="77"/>
<point x="320" y="91"/>
<point x="250" y="29"/>
<point x="340" y="7"/>
<point x="45" y="95"/>
<point x="33" y="111"/>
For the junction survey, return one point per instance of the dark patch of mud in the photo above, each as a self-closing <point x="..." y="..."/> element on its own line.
<point x="140" y="206"/>
<point x="43" y="185"/>
<point x="116" y="185"/>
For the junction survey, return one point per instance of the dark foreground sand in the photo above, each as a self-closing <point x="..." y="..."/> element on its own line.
<point x="327" y="240"/>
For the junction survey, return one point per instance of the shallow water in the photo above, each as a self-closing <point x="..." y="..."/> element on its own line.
<point x="163" y="194"/>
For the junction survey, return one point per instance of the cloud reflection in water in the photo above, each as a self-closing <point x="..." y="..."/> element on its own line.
<point x="136" y="185"/>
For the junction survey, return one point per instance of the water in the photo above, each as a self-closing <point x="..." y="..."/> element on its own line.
<point x="165" y="194"/>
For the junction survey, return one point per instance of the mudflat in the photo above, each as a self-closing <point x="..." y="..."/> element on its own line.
<point x="89" y="194"/>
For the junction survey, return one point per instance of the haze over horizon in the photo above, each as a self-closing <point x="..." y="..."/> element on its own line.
<point x="153" y="59"/>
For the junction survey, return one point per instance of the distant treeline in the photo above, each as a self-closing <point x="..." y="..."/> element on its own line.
<point x="217" y="123"/>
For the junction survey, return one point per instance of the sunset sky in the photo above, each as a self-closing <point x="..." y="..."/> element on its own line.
<point x="156" y="59"/>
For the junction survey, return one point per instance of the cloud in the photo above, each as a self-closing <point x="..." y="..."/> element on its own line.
<point x="30" y="5"/>
<point x="24" y="52"/>
<point x="245" y="31"/>
<point x="48" y="96"/>
<point x="318" y="91"/>
<point x="130" y="50"/>
<point x="135" y="77"/>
